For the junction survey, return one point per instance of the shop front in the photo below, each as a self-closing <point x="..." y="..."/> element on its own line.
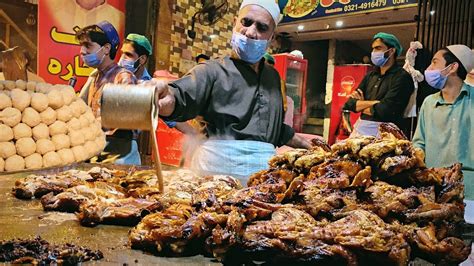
<point x="339" y="200"/>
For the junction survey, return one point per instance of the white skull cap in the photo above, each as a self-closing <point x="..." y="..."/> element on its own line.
<point x="464" y="54"/>
<point x="270" y="5"/>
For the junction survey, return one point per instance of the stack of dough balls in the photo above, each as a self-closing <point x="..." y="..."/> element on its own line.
<point x="44" y="125"/>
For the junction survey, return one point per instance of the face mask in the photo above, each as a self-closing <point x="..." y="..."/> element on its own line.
<point x="378" y="58"/>
<point x="92" y="59"/>
<point x="248" y="50"/>
<point x="128" y="64"/>
<point x="435" y="79"/>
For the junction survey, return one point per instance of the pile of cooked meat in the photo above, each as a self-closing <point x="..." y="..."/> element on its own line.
<point x="38" y="251"/>
<point x="363" y="200"/>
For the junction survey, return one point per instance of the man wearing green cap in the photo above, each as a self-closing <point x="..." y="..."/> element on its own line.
<point x="135" y="52"/>
<point x="384" y="93"/>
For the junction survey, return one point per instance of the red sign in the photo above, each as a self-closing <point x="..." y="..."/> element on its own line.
<point x="58" y="21"/>
<point x="170" y="143"/>
<point x="346" y="80"/>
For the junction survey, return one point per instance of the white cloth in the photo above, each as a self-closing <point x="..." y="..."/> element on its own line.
<point x="238" y="158"/>
<point x="417" y="76"/>
<point x="469" y="211"/>
<point x="365" y="128"/>
<point x="290" y="111"/>
<point x="270" y="5"/>
<point x="410" y="110"/>
<point x="464" y="54"/>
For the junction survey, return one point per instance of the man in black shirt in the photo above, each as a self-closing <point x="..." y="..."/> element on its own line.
<point x="238" y="96"/>
<point x="384" y="93"/>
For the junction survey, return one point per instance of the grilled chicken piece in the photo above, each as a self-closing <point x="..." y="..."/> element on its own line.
<point x="213" y="193"/>
<point x="286" y="159"/>
<point x="397" y="164"/>
<point x="301" y="159"/>
<point x="72" y="198"/>
<point x="195" y="219"/>
<point x="266" y="192"/>
<point x="363" y="178"/>
<point x="390" y="130"/>
<point x="200" y="225"/>
<point x="451" y="174"/>
<point x="318" y="143"/>
<point x="386" y="199"/>
<point x="435" y="212"/>
<point x="262" y="176"/>
<point x="143" y="192"/>
<point x="162" y="231"/>
<point x="426" y="177"/>
<point x="374" y="151"/>
<point x="271" y="186"/>
<point x="287" y="236"/>
<point x="225" y="238"/>
<point x="448" y="181"/>
<point x="128" y="211"/>
<point x="411" y="204"/>
<point x="364" y="230"/>
<point x="39" y="185"/>
<point x="138" y="179"/>
<point x="178" y="190"/>
<point x="340" y="173"/>
<point x="105" y="174"/>
<point x="436" y="249"/>
<point x="352" y="146"/>
<point x="305" y="162"/>
<point x="315" y="200"/>
<point x="452" y="192"/>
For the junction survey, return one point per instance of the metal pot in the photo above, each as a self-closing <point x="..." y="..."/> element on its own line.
<point x="128" y="107"/>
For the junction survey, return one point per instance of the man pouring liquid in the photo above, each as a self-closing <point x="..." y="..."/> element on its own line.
<point x="239" y="97"/>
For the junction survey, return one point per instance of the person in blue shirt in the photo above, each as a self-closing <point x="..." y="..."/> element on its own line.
<point x="445" y="127"/>
<point x="135" y="52"/>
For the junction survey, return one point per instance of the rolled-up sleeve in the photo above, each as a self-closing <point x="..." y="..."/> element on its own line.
<point x="192" y="93"/>
<point x="351" y="102"/>
<point x="396" y="99"/>
<point x="350" y="105"/>
<point x="419" y="137"/>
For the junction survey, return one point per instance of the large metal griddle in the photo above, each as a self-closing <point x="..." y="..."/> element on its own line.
<point x="26" y="219"/>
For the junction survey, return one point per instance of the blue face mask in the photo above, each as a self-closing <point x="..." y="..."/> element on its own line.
<point x="435" y="79"/>
<point x="378" y="58"/>
<point x="248" y="50"/>
<point x="92" y="59"/>
<point x="128" y="64"/>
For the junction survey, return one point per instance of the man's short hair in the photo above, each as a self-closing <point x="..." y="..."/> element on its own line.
<point x="203" y="56"/>
<point x="451" y="58"/>
<point x="140" y="50"/>
<point x="97" y="35"/>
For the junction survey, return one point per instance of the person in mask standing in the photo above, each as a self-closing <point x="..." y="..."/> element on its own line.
<point x="135" y="52"/>
<point x="238" y="96"/>
<point x="384" y="93"/>
<point x="99" y="45"/>
<point x="445" y="127"/>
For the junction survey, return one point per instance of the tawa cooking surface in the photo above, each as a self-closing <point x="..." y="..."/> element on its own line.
<point x="26" y="219"/>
